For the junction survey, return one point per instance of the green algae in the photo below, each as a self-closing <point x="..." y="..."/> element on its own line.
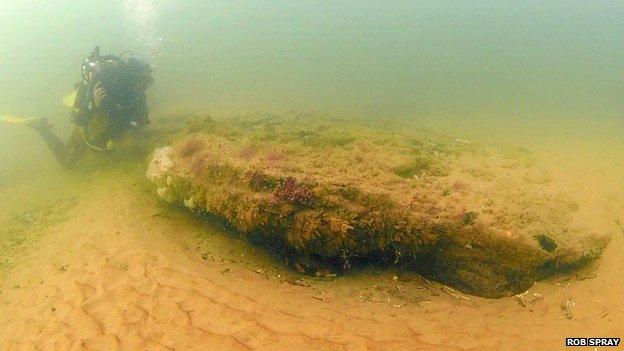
<point x="343" y="191"/>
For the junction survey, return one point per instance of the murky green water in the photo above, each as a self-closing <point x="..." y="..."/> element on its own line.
<point x="527" y="70"/>
<point x="546" y="76"/>
<point x="400" y="58"/>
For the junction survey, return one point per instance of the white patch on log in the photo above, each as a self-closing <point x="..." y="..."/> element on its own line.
<point x="190" y="203"/>
<point x="160" y="164"/>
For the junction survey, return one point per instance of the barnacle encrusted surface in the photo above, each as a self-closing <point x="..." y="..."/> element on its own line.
<point x="484" y="220"/>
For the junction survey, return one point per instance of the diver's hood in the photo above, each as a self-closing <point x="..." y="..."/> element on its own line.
<point x="125" y="82"/>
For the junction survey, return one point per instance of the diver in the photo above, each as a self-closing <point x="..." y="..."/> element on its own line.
<point x="109" y="107"/>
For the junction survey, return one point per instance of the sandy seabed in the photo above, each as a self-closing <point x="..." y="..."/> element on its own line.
<point x="122" y="273"/>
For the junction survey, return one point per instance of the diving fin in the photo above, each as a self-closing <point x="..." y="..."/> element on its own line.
<point x="70" y="99"/>
<point x="37" y="123"/>
<point x="16" y="120"/>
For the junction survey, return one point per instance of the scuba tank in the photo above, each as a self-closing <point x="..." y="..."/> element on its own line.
<point x="84" y="106"/>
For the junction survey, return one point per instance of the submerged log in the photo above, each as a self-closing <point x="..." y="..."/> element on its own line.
<point x="485" y="221"/>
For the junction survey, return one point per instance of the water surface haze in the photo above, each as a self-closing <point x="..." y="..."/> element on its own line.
<point x="509" y="59"/>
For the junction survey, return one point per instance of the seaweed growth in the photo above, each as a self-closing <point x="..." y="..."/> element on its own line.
<point x="546" y="242"/>
<point x="396" y="195"/>
<point x="292" y="191"/>
<point x="414" y="168"/>
<point x="197" y="124"/>
<point x="191" y="147"/>
<point x="260" y="181"/>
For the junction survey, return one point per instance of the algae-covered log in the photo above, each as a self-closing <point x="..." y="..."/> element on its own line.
<point x="484" y="221"/>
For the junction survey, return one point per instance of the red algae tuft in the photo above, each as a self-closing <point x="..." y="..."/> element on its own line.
<point x="275" y="156"/>
<point x="248" y="153"/>
<point x="191" y="147"/>
<point x="291" y="190"/>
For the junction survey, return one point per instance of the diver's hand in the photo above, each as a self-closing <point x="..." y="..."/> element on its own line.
<point x="99" y="94"/>
<point x="39" y="124"/>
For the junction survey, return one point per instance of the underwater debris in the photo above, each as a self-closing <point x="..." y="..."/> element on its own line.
<point x="520" y="300"/>
<point x="567" y="308"/>
<point x="478" y="234"/>
<point x="297" y="282"/>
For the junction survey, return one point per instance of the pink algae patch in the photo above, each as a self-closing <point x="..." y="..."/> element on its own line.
<point x="248" y="153"/>
<point x="191" y="147"/>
